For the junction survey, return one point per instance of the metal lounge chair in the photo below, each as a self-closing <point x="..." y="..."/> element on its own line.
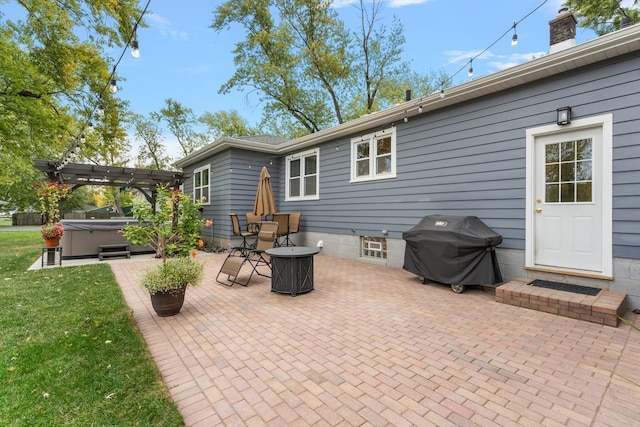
<point x="255" y="257"/>
<point x="267" y="239"/>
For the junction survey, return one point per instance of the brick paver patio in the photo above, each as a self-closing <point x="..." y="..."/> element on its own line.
<point x="373" y="346"/>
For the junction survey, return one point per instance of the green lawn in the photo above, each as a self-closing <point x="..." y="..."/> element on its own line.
<point x="70" y="353"/>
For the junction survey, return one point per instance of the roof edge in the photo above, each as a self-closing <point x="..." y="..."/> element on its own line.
<point x="220" y="145"/>
<point x="609" y="46"/>
<point x="604" y="47"/>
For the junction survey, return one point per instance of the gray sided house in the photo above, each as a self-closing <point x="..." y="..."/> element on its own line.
<point x="565" y="197"/>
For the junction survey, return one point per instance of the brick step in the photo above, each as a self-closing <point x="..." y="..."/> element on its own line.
<point x="603" y="308"/>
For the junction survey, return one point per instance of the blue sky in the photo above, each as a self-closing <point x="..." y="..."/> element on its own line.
<point x="182" y="58"/>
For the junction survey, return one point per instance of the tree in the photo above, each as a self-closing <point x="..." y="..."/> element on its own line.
<point x="604" y="16"/>
<point x="298" y="63"/>
<point x="181" y="122"/>
<point x="226" y="123"/>
<point x="53" y="70"/>
<point x="152" y="153"/>
<point x="380" y="54"/>
<point x="312" y="72"/>
<point x="107" y="145"/>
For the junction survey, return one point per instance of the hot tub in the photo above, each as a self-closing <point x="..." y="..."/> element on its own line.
<point x="82" y="237"/>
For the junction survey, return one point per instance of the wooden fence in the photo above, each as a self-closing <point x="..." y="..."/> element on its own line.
<point x="35" y="218"/>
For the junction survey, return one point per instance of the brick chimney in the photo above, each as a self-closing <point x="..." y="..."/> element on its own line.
<point x="562" y="31"/>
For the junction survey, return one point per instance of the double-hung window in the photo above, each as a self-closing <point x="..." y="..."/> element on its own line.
<point x="373" y="156"/>
<point x="201" y="185"/>
<point x="302" y="176"/>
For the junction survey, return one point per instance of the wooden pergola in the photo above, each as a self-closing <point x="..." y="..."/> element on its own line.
<point x="144" y="180"/>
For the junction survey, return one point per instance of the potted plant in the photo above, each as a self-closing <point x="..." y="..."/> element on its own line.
<point x="172" y="228"/>
<point x="50" y="196"/>
<point x="52" y="233"/>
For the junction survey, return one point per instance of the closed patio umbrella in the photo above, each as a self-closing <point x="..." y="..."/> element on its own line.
<point x="265" y="203"/>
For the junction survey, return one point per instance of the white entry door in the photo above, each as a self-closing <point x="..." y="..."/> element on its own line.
<point x="568" y="208"/>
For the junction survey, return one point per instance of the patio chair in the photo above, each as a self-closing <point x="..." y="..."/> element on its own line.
<point x="237" y="231"/>
<point x="231" y="268"/>
<point x="232" y="265"/>
<point x="253" y="222"/>
<point x="294" y="227"/>
<point x="283" y="225"/>
<point x="267" y="238"/>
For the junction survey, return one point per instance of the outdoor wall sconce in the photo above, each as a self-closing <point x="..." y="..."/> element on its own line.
<point x="564" y="116"/>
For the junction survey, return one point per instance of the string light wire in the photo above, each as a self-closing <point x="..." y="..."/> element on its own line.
<point x="108" y="84"/>
<point x="512" y="27"/>
<point x="469" y="63"/>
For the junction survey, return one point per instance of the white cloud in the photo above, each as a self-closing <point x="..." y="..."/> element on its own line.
<point x="401" y="3"/>
<point x="504" y="62"/>
<point x="165" y="28"/>
<point x="495" y="62"/>
<point x="343" y="3"/>
<point x="465" y="55"/>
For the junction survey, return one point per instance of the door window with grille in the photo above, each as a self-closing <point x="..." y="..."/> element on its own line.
<point x="569" y="172"/>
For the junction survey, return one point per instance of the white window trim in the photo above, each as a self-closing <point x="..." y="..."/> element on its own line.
<point x="301" y="156"/>
<point x="371" y="138"/>
<point x="208" y="195"/>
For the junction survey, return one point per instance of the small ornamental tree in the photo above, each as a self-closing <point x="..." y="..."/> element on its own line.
<point x="172" y="228"/>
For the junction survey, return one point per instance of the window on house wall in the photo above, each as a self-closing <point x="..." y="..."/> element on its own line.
<point x="373" y="247"/>
<point x="201" y="184"/>
<point x="302" y="176"/>
<point x="373" y="156"/>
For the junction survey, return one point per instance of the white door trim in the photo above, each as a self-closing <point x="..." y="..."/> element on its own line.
<point x="605" y="122"/>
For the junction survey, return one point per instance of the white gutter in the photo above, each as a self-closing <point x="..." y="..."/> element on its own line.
<point x="220" y="145"/>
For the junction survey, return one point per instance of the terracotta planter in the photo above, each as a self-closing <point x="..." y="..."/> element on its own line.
<point x="168" y="303"/>
<point x="51" y="243"/>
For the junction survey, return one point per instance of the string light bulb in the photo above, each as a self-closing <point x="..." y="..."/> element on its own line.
<point x="514" y="39"/>
<point x="135" y="49"/>
<point x="470" y="73"/>
<point x="82" y="138"/>
<point x="113" y="88"/>
<point x="441" y="93"/>
<point x="420" y="109"/>
<point x="90" y="126"/>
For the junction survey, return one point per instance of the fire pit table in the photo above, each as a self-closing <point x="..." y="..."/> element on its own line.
<point x="292" y="269"/>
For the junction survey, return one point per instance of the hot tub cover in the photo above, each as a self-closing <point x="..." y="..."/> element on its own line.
<point x="453" y="250"/>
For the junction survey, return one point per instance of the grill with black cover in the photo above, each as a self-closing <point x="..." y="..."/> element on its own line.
<point x="454" y="250"/>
